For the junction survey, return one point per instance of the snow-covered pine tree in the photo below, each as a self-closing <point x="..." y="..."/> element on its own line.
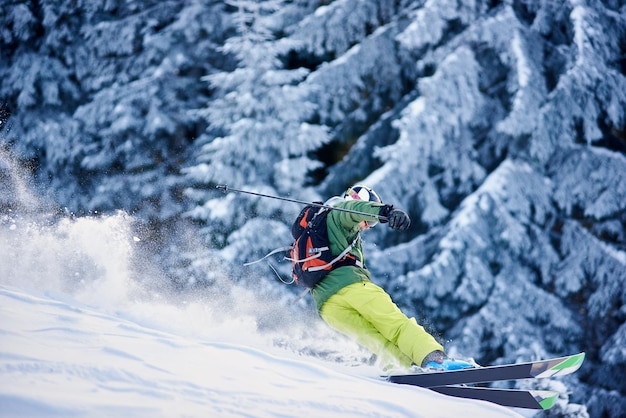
<point x="99" y="92"/>
<point x="261" y="127"/>
<point x="358" y="77"/>
<point x="100" y="95"/>
<point x="508" y="265"/>
<point x="347" y="95"/>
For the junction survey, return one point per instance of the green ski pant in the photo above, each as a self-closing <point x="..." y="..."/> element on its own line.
<point x="366" y="313"/>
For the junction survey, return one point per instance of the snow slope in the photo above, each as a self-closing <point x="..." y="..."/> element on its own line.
<point x="82" y="336"/>
<point x="59" y="357"/>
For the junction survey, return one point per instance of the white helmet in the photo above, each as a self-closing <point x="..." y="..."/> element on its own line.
<point x="361" y="192"/>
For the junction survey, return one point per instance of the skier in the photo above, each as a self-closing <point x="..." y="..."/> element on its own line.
<point x="350" y="303"/>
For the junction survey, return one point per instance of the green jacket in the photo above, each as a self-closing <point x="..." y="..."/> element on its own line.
<point x="343" y="227"/>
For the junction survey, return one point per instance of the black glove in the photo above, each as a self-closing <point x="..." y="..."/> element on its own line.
<point x="397" y="219"/>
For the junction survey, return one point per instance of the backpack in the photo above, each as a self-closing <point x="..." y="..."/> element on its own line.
<point x="310" y="254"/>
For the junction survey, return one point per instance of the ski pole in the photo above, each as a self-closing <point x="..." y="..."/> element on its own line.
<point x="225" y="189"/>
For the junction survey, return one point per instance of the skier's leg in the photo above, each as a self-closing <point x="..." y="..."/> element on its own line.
<point x="337" y="313"/>
<point x="377" y="308"/>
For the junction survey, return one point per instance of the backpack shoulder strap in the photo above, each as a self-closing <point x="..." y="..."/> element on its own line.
<point x="340" y="256"/>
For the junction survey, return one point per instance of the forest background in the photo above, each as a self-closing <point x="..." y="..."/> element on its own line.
<point x="499" y="126"/>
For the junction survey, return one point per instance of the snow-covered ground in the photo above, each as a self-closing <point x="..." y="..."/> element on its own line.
<point x="79" y="338"/>
<point x="61" y="358"/>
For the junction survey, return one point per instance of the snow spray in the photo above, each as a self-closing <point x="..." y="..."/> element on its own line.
<point x="92" y="260"/>
<point x="95" y="260"/>
<point x="42" y="249"/>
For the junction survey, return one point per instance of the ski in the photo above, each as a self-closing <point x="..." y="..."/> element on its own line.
<point x="531" y="370"/>
<point x="515" y="398"/>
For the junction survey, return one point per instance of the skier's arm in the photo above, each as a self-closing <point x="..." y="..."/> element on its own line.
<point x="348" y="220"/>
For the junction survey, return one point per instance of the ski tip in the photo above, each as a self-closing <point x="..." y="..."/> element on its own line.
<point x="561" y="366"/>
<point x="570" y="364"/>
<point x="545" y="398"/>
<point x="580" y="357"/>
